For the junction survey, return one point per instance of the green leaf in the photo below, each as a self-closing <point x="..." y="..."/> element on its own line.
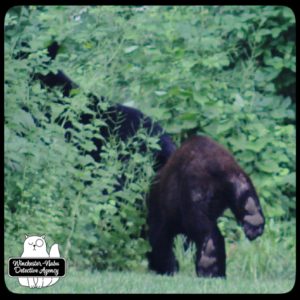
<point x="275" y="32"/>
<point x="239" y="101"/>
<point x="160" y="93"/>
<point x="131" y="49"/>
<point x="246" y="156"/>
<point x="290" y="179"/>
<point x="225" y="126"/>
<point x="268" y="166"/>
<point x="257" y="145"/>
<point x="24" y="118"/>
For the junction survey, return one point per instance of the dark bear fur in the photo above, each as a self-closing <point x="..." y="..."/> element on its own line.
<point x="199" y="181"/>
<point x="122" y="120"/>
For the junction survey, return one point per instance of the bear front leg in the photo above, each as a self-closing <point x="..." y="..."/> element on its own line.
<point x="211" y="256"/>
<point x="162" y="259"/>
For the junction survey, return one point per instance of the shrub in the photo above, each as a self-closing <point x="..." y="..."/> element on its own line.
<point x="226" y="71"/>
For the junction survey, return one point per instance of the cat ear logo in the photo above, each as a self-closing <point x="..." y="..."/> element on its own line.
<point x="36" y="268"/>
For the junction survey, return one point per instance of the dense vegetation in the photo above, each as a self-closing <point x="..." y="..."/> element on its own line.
<point x="225" y="71"/>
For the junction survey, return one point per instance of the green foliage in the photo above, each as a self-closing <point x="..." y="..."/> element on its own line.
<point x="225" y="71"/>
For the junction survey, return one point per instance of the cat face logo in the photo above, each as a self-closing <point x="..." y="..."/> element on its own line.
<point x="35" y="245"/>
<point x="36" y="266"/>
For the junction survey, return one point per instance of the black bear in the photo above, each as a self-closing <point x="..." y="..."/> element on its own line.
<point x="122" y="120"/>
<point x="199" y="181"/>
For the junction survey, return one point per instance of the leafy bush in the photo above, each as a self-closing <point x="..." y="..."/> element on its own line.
<point x="226" y="71"/>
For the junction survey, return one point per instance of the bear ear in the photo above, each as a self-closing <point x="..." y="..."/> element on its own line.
<point x="26" y="236"/>
<point x="43" y="236"/>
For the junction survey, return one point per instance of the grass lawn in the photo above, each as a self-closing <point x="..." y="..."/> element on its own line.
<point x="260" y="266"/>
<point x="134" y="282"/>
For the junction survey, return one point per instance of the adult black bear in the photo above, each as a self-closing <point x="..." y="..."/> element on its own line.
<point x="199" y="181"/>
<point x="122" y="120"/>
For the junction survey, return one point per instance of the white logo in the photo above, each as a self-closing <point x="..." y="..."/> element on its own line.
<point x="35" y="247"/>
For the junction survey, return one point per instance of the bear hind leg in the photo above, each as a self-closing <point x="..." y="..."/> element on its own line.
<point x="211" y="256"/>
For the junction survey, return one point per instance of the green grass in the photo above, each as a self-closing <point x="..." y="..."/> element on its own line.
<point x="266" y="265"/>
<point x="252" y="267"/>
<point x="130" y="282"/>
